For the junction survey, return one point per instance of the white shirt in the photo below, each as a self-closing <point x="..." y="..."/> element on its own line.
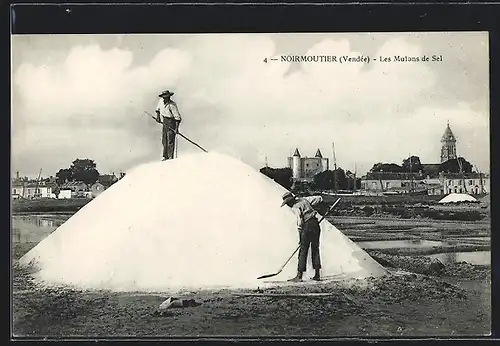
<point x="170" y="110"/>
<point x="303" y="209"/>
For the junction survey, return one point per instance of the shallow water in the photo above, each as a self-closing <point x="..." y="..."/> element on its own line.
<point x="485" y="239"/>
<point x="34" y="228"/>
<point x="476" y="257"/>
<point x="389" y="244"/>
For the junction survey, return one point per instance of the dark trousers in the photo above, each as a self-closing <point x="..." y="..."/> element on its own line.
<point x="168" y="137"/>
<point x="309" y="236"/>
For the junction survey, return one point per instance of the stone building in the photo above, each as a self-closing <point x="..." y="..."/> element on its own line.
<point x="305" y="168"/>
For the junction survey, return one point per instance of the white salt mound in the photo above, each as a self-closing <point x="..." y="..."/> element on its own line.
<point x="199" y="221"/>
<point x="457" y="198"/>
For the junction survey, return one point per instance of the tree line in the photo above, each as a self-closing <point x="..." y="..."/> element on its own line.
<point x="327" y="180"/>
<point x="84" y="170"/>
<point x="413" y="165"/>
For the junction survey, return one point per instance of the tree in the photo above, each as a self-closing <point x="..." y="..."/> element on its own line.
<point x="341" y="179"/>
<point x="84" y="170"/>
<point x="376" y="167"/>
<point x="386" y="167"/>
<point x="63" y="176"/>
<point x="282" y="176"/>
<point x="453" y="166"/>
<point x="326" y="180"/>
<point x="358" y="183"/>
<point x="412" y="164"/>
<point x="301" y="188"/>
<point x="56" y="190"/>
<point x="351" y="180"/>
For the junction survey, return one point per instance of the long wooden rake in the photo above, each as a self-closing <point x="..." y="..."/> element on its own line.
<point x="297" y="249"/>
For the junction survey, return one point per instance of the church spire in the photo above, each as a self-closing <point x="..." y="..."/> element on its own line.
<point x="448" y="134"/>
<point x="448" y="144"/>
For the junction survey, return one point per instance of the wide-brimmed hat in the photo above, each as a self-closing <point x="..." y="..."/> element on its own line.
<point x="287" y="197"/>
<point x="166" y="93"/>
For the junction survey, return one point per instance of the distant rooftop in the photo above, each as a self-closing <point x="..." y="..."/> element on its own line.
<point x="32" y="184"/>
<point x="107" y="179"/>
<point x="72" y="184"/>
<point x="392" y="176"/>
<point x="424" y="175"/>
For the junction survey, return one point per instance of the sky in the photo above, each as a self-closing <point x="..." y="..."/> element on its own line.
<point x="84" y="96"/>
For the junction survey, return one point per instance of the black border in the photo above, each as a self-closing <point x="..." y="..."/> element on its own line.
<point x="92" y="18"/>
<point x="182" y="18"/>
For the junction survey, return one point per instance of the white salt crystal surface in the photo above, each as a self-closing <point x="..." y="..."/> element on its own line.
<point x="457" y="197"/>
<point x="199" y="221"/>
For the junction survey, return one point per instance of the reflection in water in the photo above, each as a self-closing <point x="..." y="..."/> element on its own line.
<point x="475" y="239"/>
<point x="475" y="257"/>
<point x="34" y="228"/>
<point x="387" y="244"/>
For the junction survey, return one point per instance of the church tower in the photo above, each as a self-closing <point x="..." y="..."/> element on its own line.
<point x="448" y="145"/>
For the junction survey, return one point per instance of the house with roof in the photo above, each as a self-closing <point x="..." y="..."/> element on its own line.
<point x="31" y="189"/>
<point x="64" y="194"/>
<point x="393" y="182"/>
<point x="74" y="186"/>
<point x="17" y="186"/>
<point x="74" y="189"/>
<point x="471" y="183"/>
<point x="103" y="182"/>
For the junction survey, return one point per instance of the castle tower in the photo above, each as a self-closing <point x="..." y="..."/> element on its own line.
<point x="296" y="164"/>
<point x="448" y="145"/>
<point x="323" y="161"/>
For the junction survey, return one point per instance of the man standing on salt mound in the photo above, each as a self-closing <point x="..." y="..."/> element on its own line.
<point x="168" y="111"/>
<point x="309" y="231"/>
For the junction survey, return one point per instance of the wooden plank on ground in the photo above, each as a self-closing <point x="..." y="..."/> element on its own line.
<point x="285" y="295"/>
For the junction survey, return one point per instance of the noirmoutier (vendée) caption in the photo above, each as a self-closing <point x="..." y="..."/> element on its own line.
<point x="344" y="59"/>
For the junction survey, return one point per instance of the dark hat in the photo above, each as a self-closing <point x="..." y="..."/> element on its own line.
<point x="166" y="93"/>
<point x="287" y="197"/>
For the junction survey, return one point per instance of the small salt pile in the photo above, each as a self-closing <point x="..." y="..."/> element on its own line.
<point x="199" y="221"/>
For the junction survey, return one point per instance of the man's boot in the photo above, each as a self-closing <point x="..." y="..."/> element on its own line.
<point x="298" y="278"/>
<point x="316" y="276"/>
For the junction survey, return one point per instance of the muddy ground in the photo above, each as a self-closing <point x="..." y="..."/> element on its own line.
<point x="408" y="207"/>
<point x="453" y="302"/>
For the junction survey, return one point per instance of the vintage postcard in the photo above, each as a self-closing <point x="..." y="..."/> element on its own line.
<point x="264" y="185"/>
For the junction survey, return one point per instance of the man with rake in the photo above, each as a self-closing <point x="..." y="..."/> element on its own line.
<point x="168" y="113"/>
<point x="309" y="231"/>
